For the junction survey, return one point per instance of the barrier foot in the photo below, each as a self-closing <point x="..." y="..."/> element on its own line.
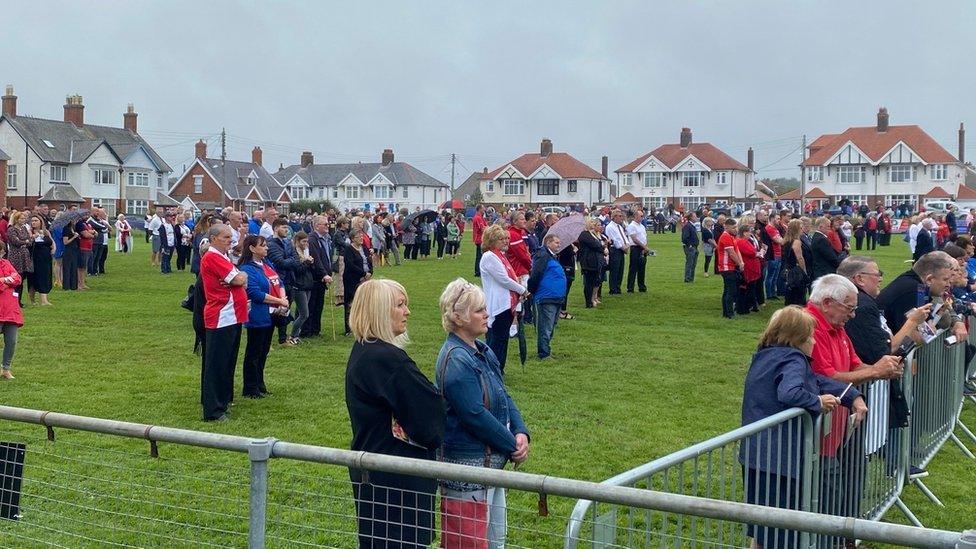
<point x="966" y="430"/>
<point x="928" y="493"/>
<point x="972" y="398"/>
<point x="961" y="446"/>
<point x="908" y="513"/>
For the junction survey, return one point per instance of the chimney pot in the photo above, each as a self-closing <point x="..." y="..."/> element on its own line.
<point x="962" y="143"/>
<point x="130" y="119"/>
<point x="387" y="157"/>
<point x="256" y="156"/>
<point x="74" y="110"/>
<point x="685" y="137"/>
<point x="882" y="119"/>
<point x="201" y="149"/>
<point x="9" y="102"/>
<point x="750" y="161"/>
<point x="307" y="159"/>
<point x="545" y="148"/>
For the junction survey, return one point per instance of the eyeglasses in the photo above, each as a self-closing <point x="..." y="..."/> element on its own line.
<point x="850" y="308"/>
<point x="878" y="274"/>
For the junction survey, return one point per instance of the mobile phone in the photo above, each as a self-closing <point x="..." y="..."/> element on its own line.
<point x="907" y="345"/>
<point x="951" y="340"/>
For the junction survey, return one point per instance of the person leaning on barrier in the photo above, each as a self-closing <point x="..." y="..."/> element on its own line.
<point x="930" y="275"/>
<point x="780" y="378"/>
<point x="484" y="426"/>
<point x="395" y="410"/>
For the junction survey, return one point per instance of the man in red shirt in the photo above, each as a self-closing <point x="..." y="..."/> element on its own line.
<point x="478" y="225"/>
<point x="223" y="314"/>
<point x="728" y="263"/>
<point x="774" y="241"/>
<point x="518" y="250"/>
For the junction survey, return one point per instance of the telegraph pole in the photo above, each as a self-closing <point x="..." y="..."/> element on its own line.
<point x="803" y="172"/>
<point x="453" y="161"/>
<point x="223" y="162"/>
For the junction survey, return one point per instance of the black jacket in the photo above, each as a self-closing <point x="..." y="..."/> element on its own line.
<point x="825" y="259"/>
<point x="302" y="276"/>
<point x="924" y="243"/>
<point x="177" y="235"/>
<point x="353" y="271"/>
<point x="899" y="297"/>
<point x="689" y="235"/>
<point x="281" y="255"/>
<point x="324" y="255"/>
<point x="590" y="252"/>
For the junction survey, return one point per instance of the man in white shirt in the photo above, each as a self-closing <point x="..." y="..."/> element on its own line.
<point x="168" y="237"/>
<point x="235" y="220"/>
<point x="270" y="215"/>
<point x="619" y="246"/>
<point x="638" y="252"/>
<point x="153" y="229"/>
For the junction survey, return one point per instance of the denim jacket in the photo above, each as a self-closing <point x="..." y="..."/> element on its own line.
<point x="462" y="376"/>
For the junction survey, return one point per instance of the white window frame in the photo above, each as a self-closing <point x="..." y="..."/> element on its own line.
<point x="653" y="180"/>
<point x="815" y="173"/>
<point x="490" y="186"/>
<point x="572" y="186"/>
<point x="197" y="184"/>
<point x="59" y="174"/>
<point x="99" y="176"/>
<point x="692" y="179"/>
<point x="136" y="207"/>
<point x="159" y="182"/>
<point x="721" y="178"/>
<point x="12" y="177"/>
<point x="896" y="199"/>
<point x="509" y="185"/>
<point x="352" y="192"/>
<point x="138" y="179"/>
<point x="846" y="175"/>
<point x="901" y="173"/>
<point x="626" y="179"/>
<point x="692" y="202"/>
<point x="655" y="202"/>
<point x="406" y="192"/>
<point x="538" y="187"/>
<point x="940" y="172"/>
<point x="383" y="192"/>
<point x="856" y="199"/>
<point x="335" y="193"/>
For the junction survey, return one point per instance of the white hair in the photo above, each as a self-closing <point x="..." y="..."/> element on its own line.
<point x="831" y="286"/>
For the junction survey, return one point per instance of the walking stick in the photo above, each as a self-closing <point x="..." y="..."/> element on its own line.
<point x="332" y="307"/>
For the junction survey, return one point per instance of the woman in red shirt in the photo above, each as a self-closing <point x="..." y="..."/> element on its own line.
<point x="11" y="317"/>
<point x="746" y="301"/>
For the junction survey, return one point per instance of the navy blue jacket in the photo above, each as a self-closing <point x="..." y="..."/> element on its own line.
<point x="780" y="378"/>
<point x="258" y="286"/>
<point x="463" y="376"/>
<point x="280" y="253"/>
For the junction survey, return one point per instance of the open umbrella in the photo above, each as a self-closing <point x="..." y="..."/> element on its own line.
<point x="452" y="204"/>
<point x="425" y="216"/>
<point x="568" y="229"/>
<point x="69" y="217"/>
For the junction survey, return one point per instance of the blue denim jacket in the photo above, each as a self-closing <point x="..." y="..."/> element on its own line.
<point x="463" y="375"/>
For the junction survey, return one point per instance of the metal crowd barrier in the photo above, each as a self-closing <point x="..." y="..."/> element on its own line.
<point x="848" y="472"/>
<point x="73" y="494"/>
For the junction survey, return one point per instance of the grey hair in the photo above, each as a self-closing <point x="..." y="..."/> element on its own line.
<point x="852" y="265"/>
<point x="216" y="229"/>
<point x="831" y="286"/>
<point x="933" y="262"/>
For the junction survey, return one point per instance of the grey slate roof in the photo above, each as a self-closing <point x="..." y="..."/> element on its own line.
<point x="232" y="176"/>
<point x="62" y="193"/>
<point x="329" y="175"/>
<point x="3" y="155"/>
<point x="471" y="184"/>
<point x="162" y="199"/>
<point x="73" y="144"/>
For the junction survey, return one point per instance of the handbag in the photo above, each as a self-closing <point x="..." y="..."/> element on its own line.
<point x="794" y="277"/>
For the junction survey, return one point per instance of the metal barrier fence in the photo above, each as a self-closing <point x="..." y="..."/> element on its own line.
<point x="832" y="468"/>
<point x="75" y="489"/>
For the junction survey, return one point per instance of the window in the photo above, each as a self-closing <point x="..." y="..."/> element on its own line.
<point x="197" y="184"/>
<point x="59" y="174"/>
<point x="815" y="173"/>
<point x="855" y="199"/>
<point x="383" y="192"/>
<point x="335" y="192"/>
<point x="653" y="202"/>
<point x="547" y="187"/>
<point x="406" y="192"/>
<point x="895" y="200"/>
<point x="137" y="207"/>
<point x="692" y="202"/>
<point x="626" y="179"/>
<point x="571" y="186"/>
<point x="901" y="173"/>
<point x="513" y="186"/>
<point x="104" y="176"/>
<point x="691" y="179"/>
<point x="159" y="181"/>
<point x="352" y="192"/>
<point x="107" y="204"/>
<point x="490" y="186"/>
<point x="850" y="174"/>
<point x="138" y="179"/>
<point x="11" y="177"/>
<point x="721" y="178"/>
<point x="939" y="172"/>
<point x="49" y="144"/>
<point x="653" y="179"/>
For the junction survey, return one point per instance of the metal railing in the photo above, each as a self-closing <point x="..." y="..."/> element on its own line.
<point x="55" y="516"/>
<point x="842" y="471"/>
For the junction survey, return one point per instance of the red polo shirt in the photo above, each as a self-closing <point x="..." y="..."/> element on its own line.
<point x="832" y="353"/>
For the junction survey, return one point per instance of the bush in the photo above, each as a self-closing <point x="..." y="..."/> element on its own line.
<point x="317" y="206"/>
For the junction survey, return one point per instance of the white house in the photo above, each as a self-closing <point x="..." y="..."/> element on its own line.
<point x="545" y="178"/>
<point x="63" y="161"/>
<point x="882" y="163"/>
<point x="387" y="185"/>
<point x="687" y="173"/>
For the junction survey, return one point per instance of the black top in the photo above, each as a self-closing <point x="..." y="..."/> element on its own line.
<point x="924" y="243"/>
<point x="871" y="341"/>
<point x="382" y="384"/>
<point x="825" y="259"/>
<point x="590" y="252"/>
<point x="354" y="271"/>
<point x="898" y="298"/>
<point x="707" y="235"/>
<point x="567" y="258"/>
<point x="689" y="235"/>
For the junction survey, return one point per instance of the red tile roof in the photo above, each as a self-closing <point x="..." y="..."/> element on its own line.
<point x="563" y="163"/>
<point x="626" y="198"/>
<point x="816" y="193"/>
<point x="966" y="193"/>
<point x="876" y="144"/>
<point x="937" y="192"/>
<point x="791" y="195"/>
<point x="673" y="154"/>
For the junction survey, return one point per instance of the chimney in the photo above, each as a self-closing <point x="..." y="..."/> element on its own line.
<point x="10" y="102"/>
<point x="129" y="119"/>
<point x="962" y="143"/>
<point x="484" y="173"/>
<point x="750" y="161"/>
<point x="281" y="166"/>
<point x="201" y="149"/>
<point x="545" y="149"/>
<point x="387" y="157"/>
<point x="882" y="119"/>
<point x="605" y="166"/>
<point x="74" y="110"/>
<point x="685" y="137"/>
<point x="256" y="156"/>
<point x="307" y="159"/>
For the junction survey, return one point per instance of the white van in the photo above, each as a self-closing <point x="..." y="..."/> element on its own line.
<point x="940" y="206"/>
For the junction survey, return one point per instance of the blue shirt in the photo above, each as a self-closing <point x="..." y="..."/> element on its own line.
<point x="258" y="287"/>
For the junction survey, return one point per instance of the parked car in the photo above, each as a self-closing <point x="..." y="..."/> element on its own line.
<point x="554" y="210"/>
<point x="940" y="206"/>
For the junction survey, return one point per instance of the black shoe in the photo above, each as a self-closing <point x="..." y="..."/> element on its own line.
<point x="917" y="472"/>
<point x="642" y="290"/>
<point x="254" y="396"/>
<point x="221" y="419"/>
<point x="265" y="392"/>
<point x="630" y="291"/>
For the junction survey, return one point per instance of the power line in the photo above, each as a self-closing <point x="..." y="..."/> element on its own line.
<point x="782" y="158"/>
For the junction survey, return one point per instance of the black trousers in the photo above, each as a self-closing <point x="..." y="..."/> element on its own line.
<point x="97" y="251"/>
<point x="69" y="268"/>
<point x="182" y="257"/>
<point x="283" y="328"/>
<point x="569" y="286"/>
<point x="425" y="247"/>
<point x="452" y="247"/>
<point x="497" y="336"/>
<point x="219" y="362"/>
<point x="392" y="517"/>
<point x="477" y="260"/>
<point x="591" y="279"/>
<point x="316" y="305"/>
<point x="349" y="293"/>
<point x="616" y="269"/>
<point x="636" y="269"/>
<point x="440" y="247"/>
<point x="730" y="282"/>
<point x="255" y="358"/>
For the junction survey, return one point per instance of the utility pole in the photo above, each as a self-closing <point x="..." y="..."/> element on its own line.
<point x="223" y="163"/>
<point x="803" y="172"/>
<point x="453" y="161"/>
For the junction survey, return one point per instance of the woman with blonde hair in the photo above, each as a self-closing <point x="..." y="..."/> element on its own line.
<point x="20" y="239"/>
<point x="502" y="290"/>
<point x="797" y="259"/>
<point x="395" y="410"/>
<point x="591" y="254"/>
<point x="40" y="280"/>
<point x="484" y="426"/>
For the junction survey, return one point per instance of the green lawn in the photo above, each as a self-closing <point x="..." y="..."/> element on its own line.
<point x="641" y="377"/>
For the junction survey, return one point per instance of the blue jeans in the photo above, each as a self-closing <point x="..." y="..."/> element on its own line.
<point x="547" y="313"/>
<point x="166" y="259"/>
<point x="772" y="277"/>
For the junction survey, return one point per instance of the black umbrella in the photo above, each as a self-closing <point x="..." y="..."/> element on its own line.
<point x="69" y="217"/>
<point x="521" y="339"/>
<point x="425" y="216"/>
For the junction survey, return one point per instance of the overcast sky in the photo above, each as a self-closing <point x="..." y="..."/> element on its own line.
<point x="488" y="80"/>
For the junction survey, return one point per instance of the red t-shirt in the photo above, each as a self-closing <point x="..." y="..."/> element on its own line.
<point x="518" y="252"/>
<point x="773" y="234"/>
<point x="478" y="225"/>
<point x="84" y="244"/>
<point x="725" y="262"/>
<point x="832" y="353"/>
<point x="226" y="305"/>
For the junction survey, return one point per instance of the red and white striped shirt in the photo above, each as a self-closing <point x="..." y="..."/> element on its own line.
<point x="226" y="305"/>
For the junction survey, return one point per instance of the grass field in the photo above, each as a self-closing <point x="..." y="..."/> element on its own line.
<point x="638" y="378"/>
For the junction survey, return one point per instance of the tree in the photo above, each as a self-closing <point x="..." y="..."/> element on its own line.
<point x="475" y="198"/>
<point x="318" y="206"/>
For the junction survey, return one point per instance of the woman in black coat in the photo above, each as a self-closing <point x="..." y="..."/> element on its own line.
<point x="591" y="260"/>
<point x="394" y="410"/>
<point x="358" y="269"/>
